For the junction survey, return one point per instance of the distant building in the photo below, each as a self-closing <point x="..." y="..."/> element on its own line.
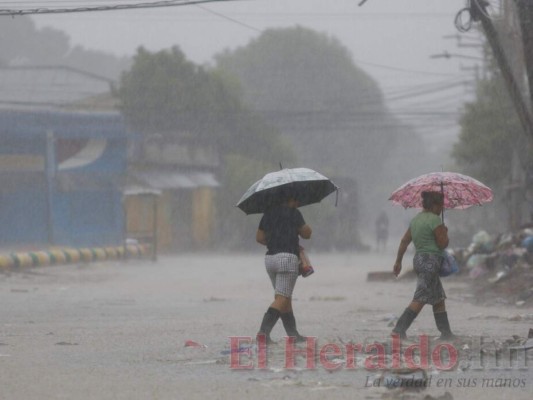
<point x="62" y="159"/>
<point x="71" y="175"/>
<point x="184" y="173"/>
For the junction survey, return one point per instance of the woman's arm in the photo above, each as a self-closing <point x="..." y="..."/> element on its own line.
<point x="260" y="237"/>
<point x="402" y="248"/>
<point x="441" y="236"/>
<point x="305" y="231"/>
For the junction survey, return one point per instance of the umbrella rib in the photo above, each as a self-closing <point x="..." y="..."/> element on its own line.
<point x="471" y="193"/>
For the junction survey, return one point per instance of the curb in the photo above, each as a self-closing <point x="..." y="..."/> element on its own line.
<point x="60" y="256"/>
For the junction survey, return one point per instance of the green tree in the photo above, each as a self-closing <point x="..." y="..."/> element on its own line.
<point x="300" y="70"/>
<point x="493" y="148"/>
<point x="490" y="133"/>
<point x="330" y="111"/>
<point x="160" y="91"/>
<point x="165" y="93"/>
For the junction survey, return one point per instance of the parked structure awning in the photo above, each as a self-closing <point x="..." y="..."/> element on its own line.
<point x="162" y="180"/>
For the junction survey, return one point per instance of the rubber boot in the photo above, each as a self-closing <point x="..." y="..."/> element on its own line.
<point x="441" y="319"/>
<point x="269" y="320"/>
<point x="404" y="322"/>
<point x="289" y="323"/>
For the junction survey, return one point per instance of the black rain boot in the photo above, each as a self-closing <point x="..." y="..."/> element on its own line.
<point x="289" y="323"/>
<point x="269" y="320"/>
<point x="441" y="319"/>
<point x="404" y="322"/>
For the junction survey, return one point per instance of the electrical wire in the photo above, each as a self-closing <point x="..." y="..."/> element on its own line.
<point x="411" y="71"/>
<point x="424" y="92"/>
<point x="412" y="113"/>
<point x="410" y="89"/>
<point x="481" y="6"/>
<point x="125" y="6"/>
<point x="461" y="24"/>
<point x="229" y="18"/>
<point x="198" y="5"/>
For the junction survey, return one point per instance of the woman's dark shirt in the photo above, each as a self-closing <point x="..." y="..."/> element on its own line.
<point x="281" y="225"/>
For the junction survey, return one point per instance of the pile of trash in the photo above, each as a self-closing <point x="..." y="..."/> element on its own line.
<point x="499" y="267"/>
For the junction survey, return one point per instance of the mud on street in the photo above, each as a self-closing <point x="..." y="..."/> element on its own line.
<point x="143" y="330"/>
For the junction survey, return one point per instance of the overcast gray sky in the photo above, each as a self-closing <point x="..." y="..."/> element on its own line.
<point x="392" y="40"/>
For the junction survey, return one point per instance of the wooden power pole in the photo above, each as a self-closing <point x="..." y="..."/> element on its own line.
<point x="525" y="16"/>
<point x="479" y="13"/>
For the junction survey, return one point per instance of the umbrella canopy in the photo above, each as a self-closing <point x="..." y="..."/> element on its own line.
<point x="460" y="191"/>
<point x="303" y="184"/>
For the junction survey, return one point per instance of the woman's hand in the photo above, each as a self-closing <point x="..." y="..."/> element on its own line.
<point x="397" y="268"/>
<point x="404" y="243"/>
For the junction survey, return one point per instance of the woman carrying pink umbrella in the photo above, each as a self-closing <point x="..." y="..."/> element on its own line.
<point x="433" y="192"/>
<point x="430" y="238"/>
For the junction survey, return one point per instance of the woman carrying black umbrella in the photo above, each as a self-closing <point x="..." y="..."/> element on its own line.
<point x="279" y="230"/>
<point x="430" y="238"/>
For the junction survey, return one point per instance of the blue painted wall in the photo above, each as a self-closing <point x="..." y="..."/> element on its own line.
<point x="86" y="201"/>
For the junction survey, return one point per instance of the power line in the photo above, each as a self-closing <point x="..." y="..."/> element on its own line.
<point x="409" y="89"/>
<point x="230" y="19"/>
<point x="223" y="16"/>
<point x="438" y="103"/>
<point x="411" y="71"/>
<point x="427" y="91"/>
<point x="126" y="6"/>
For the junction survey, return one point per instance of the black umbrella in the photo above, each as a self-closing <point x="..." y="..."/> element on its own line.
<point x="303" y="184"/>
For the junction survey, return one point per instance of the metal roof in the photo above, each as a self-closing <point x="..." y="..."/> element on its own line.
<point x="48" y="86"/>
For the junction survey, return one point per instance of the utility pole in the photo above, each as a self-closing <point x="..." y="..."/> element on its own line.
<point x="522" y="103"/>
<point x="525" y="16"/>
<point x="479" y="13"/>
<point x="50" y="173"/>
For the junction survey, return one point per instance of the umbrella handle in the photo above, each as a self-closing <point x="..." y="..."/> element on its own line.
<point x="442" y="191"/>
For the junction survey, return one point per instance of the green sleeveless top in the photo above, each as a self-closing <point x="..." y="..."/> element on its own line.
<point x="422" y="227"/>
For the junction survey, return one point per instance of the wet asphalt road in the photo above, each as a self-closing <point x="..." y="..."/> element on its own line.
<point x="118" y="331"/>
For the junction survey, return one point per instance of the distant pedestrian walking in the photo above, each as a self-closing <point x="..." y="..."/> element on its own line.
<point x="382" y="231"/>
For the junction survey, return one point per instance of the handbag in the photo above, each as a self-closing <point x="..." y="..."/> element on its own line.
<point x="449" y="265"/>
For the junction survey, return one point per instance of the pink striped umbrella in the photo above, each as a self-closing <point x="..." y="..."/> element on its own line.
<point x="460" y="191"/>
